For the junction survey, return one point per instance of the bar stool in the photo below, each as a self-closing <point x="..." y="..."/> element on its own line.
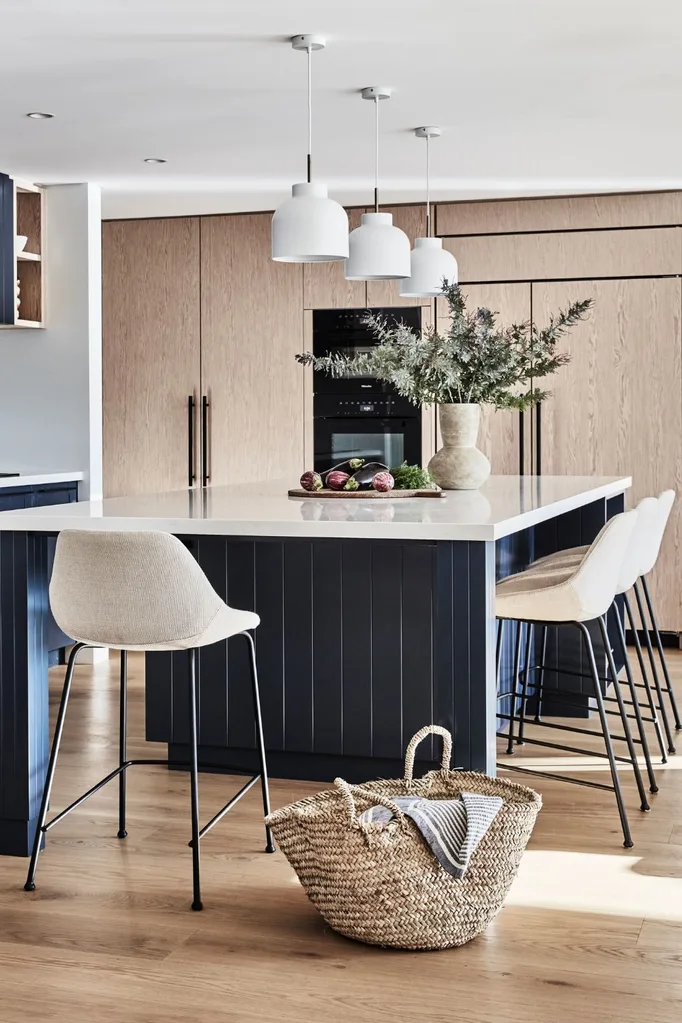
<point x="648" y="535"/>
<point x="142" y="591"/>
<point x="647" y="512"/>
<point x="649" y="559"/>
<point x="573" y="597"/>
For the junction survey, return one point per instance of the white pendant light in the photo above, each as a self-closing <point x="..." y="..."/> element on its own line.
<point x="310" y="227"/>
<point x="430" y="262"/>
<point x="378" y="250"/>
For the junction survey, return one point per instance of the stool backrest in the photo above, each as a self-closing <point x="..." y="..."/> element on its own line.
<point x="647" y="514"/>
<point x="129" y="588"/>
<point x="596" y="580"/>
<point x="654" y="537"/>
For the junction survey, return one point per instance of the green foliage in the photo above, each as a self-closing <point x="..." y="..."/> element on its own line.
<point x="412" y="477"/>
<point x="475" y="360"/>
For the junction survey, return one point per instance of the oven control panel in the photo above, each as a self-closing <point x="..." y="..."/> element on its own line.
<point x="329" y="406"/>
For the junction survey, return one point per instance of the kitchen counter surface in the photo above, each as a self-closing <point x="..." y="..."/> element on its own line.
<point x="36" y="477"/>
<point x="504" y="505"/>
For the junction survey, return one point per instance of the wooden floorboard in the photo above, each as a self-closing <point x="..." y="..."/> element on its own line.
<point x="591" y="931"/>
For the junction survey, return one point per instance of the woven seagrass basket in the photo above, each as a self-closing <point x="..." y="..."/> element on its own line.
<point x="380" y="883"/>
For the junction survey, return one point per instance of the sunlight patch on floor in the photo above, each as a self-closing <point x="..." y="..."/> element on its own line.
<point x="595" y="883"/>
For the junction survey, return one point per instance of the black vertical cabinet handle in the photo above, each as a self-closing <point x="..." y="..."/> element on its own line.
<point x="205" y="477"/>
<point x="191" y="471"/>
<point x="538" y="439"/>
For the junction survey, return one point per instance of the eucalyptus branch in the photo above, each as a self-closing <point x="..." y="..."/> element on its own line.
<point x="475" y="360"/>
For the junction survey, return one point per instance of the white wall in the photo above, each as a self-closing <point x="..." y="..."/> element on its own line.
<point x="51" y="379"/>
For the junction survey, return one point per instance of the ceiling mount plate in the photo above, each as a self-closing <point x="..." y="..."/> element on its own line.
<point x="429" y="131"/>
<point x="308" y="42"/>
<point x="376" y="92"/>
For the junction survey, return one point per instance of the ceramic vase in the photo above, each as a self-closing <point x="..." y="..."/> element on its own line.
<point x="459" y="465"/>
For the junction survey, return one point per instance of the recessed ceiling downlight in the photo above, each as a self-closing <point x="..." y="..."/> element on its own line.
<point x="39" y="115"/>
<point x="154" y="159"/>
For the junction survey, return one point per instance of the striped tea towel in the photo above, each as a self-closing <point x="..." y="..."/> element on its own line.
<point x="451" y="827"/>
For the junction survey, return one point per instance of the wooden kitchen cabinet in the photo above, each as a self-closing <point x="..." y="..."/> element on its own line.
<point x="615" y="409"/>
<point x="566" y="255"/>
<point x="251" y="329"/>
<point x="500" y="433"/>
<point x="325" y="285"/>
<point x="150" y="351"/>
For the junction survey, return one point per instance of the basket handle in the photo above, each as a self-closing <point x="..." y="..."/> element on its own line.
<point x="414" y="742"/>
<point x="374" y="799"/>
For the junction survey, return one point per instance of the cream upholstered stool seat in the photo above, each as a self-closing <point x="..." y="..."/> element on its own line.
<point x="574" y="595"/>
<point x="654" y="513"/>
<point x="142" y="591"/>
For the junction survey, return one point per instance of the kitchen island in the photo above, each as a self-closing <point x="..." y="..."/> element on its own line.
<point x="377" y="617"/>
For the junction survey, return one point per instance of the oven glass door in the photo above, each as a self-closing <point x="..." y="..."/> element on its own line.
<point x="391" y="440"/>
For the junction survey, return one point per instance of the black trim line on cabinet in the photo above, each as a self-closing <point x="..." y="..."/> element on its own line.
<point x="570" y="280"/>
<point x="669" y="639"/>
<point x="565" y="230"/>
<point x="538" y="439"/>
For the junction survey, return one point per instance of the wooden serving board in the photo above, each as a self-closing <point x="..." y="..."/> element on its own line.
<point x="364" y="494"/>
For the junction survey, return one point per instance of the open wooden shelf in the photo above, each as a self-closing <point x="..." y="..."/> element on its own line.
<point x="21" y="273"/>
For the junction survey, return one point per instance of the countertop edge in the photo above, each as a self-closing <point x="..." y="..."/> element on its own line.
<point x="37" y="478"/>
<point x="560" y="507"/>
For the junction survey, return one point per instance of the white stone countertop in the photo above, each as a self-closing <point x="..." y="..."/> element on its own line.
<point x="503" y="505"/>
<point x="35" y="477"/>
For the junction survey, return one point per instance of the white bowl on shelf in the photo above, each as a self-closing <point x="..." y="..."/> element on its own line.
<point x="21" y="242"/>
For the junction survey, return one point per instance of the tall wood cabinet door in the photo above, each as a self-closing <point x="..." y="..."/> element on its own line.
<point x="500" y="435"/>
<point x="325" y="285"/>
<point x="150" y="351"/>
<point x="616" y="408"/>
<point x="251" y="329"/>
<point x="411" y="220"/>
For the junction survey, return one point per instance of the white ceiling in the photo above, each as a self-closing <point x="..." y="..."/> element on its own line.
<point x="534" y="96"/>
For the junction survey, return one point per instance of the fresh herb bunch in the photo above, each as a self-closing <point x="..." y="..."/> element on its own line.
<point x="475" y="360"/>
<point x="412" y="477"/>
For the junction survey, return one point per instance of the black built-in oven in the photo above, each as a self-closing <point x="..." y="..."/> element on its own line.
<point x="360" y="416"/>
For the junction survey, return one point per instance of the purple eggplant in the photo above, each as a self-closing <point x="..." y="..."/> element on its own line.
<point x="364" y="476"/>
<point x="350" y="466"/>
<point x="337" y="480"/>
<point x="311" y="481"/>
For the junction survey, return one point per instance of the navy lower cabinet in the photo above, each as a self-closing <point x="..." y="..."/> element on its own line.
<point x="38" y="496"/>
<point x="361" y="643"/>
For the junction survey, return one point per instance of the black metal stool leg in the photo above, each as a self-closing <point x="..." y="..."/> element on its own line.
<point x="524" y="688"/>
<point x="654" y="670"/>
<point x="659" y="647"/>
<point x="498" y="648"/>
<point x="541" y="675"/>
<point x="645" y="680"/>
<point x="194" y="779"/>
<point x="122" y="729"/>
<point x="269" y="842"/>
<point x="517" y="665"/>
<point x="644" y="802"/>
<point x="587" y="639"/>
<point x="52" y="763"/>
<point x="653" y="785"/>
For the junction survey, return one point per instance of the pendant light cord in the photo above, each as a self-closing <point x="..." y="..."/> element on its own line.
<point x="428" y="191"/>
<point x="376" y="154"/>
<point x="310" y="113"/>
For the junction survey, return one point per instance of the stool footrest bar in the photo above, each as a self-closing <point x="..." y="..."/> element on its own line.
<point x="228" y="806"/>
<point x="86" y="795"/>
<point x="557" y="777"/>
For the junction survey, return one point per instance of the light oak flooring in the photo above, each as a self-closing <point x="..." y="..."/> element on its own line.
<point x="590" y="931"/>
